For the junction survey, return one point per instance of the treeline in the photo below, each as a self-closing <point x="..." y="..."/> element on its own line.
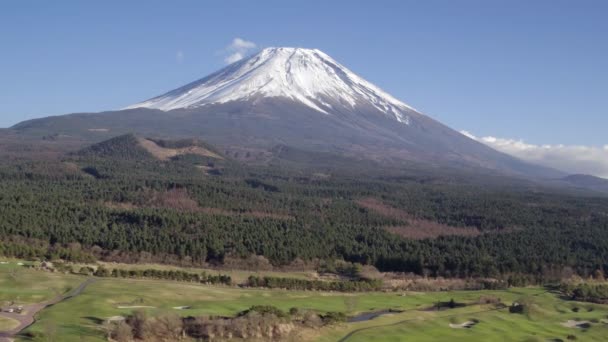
<point x="33" y="249"/>
<point x="257" y="323"/>
<point x="314" y="285"/>
<point x="587" y="292"/>
<point x="175" y="275"/>
<point x="287" y="216"/>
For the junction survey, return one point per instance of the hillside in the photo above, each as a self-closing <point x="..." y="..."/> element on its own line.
<point x="588" y="182"/>
<point x="132" y="147"/>
<point x="198" y="210"/>
<point x="123" y="147"/>
<point x="296" y="97"/>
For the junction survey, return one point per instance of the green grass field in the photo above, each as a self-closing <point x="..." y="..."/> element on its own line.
<point x="543" y="323"/>
<point x="79" y="318"/>
<point x="7" y="323"/>
<point x="25" y="286"/>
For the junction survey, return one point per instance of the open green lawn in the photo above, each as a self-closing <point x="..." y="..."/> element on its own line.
<point x="7" y="324"/>
<point x="25" y="286"/>
<point x="79" y="318"/>
<point x="543" y="323"/>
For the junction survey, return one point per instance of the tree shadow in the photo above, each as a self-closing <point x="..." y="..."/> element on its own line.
<point x="92" y="319"/>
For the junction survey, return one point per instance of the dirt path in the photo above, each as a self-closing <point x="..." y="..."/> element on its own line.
<point x="27" y="319"/>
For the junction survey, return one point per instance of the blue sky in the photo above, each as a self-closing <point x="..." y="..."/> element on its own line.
<point x="532" y="70"/>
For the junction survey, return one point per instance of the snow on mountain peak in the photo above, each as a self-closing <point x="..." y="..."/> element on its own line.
<point x="308" y="76"/>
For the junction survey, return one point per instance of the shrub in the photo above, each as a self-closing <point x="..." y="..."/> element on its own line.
<point x="596" y="293"/>
<point x="138" y="322"/>
<point x="122" y="332"/>
<point x="265" y="310"/>
<point x="517" y="308"/>
<point x="315" y="285"/>
<point x="333" y="317"/>
<point x="86" y="270"/>
<point x="312" y="320"/>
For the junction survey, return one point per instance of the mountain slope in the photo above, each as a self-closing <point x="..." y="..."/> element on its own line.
<point x="308" y="76"/>
<point x="588" y="182"/>
<point x="292" y="97"/>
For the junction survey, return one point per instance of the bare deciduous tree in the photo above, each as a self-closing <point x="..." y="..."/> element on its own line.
<point x="123" y="332"/>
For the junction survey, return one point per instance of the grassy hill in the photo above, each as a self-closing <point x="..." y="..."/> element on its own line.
<point x="122" y="147"/>
<point x="131" y="147"/>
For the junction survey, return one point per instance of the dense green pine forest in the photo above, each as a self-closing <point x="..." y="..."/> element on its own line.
<point x="117" y="202"/>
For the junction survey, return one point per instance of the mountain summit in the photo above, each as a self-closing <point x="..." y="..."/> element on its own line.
<point x="292" y="97"/>
<point x="308" y="76"/>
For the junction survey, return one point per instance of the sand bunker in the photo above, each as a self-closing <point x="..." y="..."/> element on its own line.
<point x="115" y="319"/>
<point x="576" y="324"/>
<point x="136" y="307"/>
<point x="182" y="307"/>
<point x="465" y="325"/>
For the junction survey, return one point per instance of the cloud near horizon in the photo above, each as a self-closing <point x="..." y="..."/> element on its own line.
<point x="591" y="160"/>
<point x="238" y="49"/>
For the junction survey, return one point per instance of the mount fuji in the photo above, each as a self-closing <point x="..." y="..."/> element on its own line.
<point x="293" y="97"/>
<point x="309" y="77"/>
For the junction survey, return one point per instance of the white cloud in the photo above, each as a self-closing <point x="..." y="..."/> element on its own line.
<point x="179" y="56"/>
<point x="238" y="49"/>
<point x="468" y="135"/>
<point x="238" y="43"/>
<point x="591" y="160"/>
<point x="237" y="56"/>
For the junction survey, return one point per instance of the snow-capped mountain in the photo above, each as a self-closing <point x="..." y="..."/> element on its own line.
<point x="290" y="97"/>
<point x="308" y="76"/>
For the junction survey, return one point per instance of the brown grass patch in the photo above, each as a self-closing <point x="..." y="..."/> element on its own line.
<point x="416" y="228"/>
<point x="424" y="283"/>
<point x="422" y="229"/>
<point x="384" y="209"/>
<point x="208" y="170"/>
<point x="163" y="153"/>
<point x="179" y="199"/>
<point x="120" y="205"/>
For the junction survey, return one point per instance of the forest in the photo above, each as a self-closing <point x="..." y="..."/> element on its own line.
<point x="116" y="202"/>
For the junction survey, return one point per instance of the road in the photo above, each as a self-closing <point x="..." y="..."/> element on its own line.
<point x="30" y="311"/>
